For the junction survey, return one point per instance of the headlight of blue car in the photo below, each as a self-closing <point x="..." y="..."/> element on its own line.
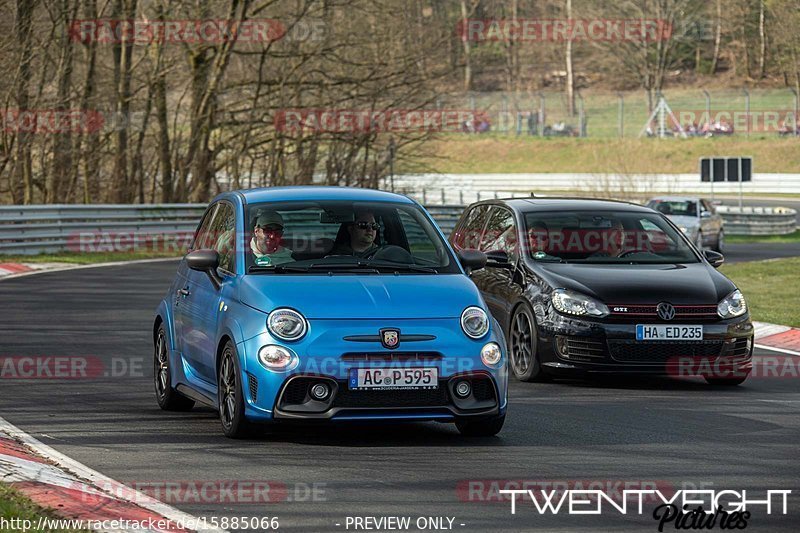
<point x="287" y="324"/>
<point x="474" y="322"/>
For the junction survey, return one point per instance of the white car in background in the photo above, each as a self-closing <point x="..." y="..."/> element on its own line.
<point x="696" y="217"/>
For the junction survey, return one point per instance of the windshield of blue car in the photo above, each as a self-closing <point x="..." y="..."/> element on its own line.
<point x="679" y="208"/>
<point x="606" y="237"/>
<point x="344" y="237"/>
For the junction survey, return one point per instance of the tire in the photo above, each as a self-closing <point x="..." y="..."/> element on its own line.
<point x="168" y="398"/>
<point x="522" y="345"/>
<point x="727" y="382"/>
<point x="230" y="400"/>
<point x="720" y="247"/>
<point x="487" y="427"/>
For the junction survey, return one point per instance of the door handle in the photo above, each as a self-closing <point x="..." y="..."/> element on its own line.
<point x="183" y="292"/>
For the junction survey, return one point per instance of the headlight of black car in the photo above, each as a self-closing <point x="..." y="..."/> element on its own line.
<point x="732" y="305"/>
<point x="576" y="304"/>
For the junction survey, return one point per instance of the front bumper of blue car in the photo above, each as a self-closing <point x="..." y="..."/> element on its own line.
<point x="328" y="355"/>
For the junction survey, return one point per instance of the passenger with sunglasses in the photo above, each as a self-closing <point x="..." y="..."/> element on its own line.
<point x="362" y="232"/>
<point x="266" y="243"/>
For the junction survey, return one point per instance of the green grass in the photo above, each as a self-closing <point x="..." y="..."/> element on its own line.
<point x="477" y="154"/>
<point x="13" y="504"/>
<point x="84" y="258"/>
<point x="770" y="287"/>
<point x="602" y="107"/>
<point x="789" y="238"/>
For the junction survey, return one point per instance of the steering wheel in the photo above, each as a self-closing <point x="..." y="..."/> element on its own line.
<point x="392" y="253"/>
<point x="629" y="252"/>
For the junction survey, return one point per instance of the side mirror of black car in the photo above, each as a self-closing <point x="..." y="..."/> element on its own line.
<point x="205" y="261"/>
<point x="472" y="260"/>
<point x="497" y="259"/>
<point x="716" y="259"/>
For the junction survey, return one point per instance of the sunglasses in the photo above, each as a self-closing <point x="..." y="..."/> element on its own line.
<point x="272" y="228"/>
<point x="363" y="224"/>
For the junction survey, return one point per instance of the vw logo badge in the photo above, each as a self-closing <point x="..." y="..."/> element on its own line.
<point x="665" y="311"/>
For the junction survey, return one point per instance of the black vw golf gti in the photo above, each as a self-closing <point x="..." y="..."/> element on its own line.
<point x="591" y="286"/>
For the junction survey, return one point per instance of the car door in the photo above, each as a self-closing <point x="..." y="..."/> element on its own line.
<point x="204" y="302"/>
<point x="499" y="286"/>
<point x="181" y="298"/>
<point x="713" y="221"/>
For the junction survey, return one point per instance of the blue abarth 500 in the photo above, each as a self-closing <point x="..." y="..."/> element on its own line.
<point x="328" y="303"/>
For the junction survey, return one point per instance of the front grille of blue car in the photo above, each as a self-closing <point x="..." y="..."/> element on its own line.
<point x="391" y="398"/>
<point x="295" y="396"/>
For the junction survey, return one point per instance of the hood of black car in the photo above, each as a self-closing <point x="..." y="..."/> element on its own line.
<point x="681" y="284"/>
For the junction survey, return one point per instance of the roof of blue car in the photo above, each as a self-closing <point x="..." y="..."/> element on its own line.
<point x="284" y="194"/>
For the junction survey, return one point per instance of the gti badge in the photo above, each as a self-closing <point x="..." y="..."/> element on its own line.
<point x="665" y="311"/>
<point x="390" y="338"/>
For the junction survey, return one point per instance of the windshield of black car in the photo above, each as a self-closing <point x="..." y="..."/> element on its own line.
<point x="343" y="237"/>
<point x="609" y="237"/>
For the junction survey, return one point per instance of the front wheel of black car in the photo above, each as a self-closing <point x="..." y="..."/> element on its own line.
<point x="487" y="427"/>
<point x="229" y="393"/>
<point x="522" y="346"/>
<point x="168" y="398"/>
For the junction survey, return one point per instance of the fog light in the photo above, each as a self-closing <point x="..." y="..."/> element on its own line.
<point x="491" y="354"/>
<point x="562" y="347"/>
<point x="277" y="357"/>
<point x="463" y="389"/>
<point x="320" y="391"/>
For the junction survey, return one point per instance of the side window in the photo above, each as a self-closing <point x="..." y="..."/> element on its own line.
<point x="419" y="243"/>
<point x="501" y="232"/>
<point x="201" y="237"/>
<point x="222" y="233"/>
<point x="468" y="235"/>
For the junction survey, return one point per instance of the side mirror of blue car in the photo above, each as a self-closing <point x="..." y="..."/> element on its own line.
<point x="472" y="260"/>
<point x="205" y="261"/>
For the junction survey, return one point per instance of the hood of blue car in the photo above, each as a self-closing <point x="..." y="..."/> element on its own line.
<point x="362" y="296"/>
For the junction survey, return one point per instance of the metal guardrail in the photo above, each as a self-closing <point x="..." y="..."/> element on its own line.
<point x="758" y="220"/>
<point x="55" y="228"/>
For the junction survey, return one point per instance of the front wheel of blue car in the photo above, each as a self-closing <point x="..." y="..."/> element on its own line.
<point x="486" y="427"/>
<point x="229" y="392"/>
<point x="168" y="398"/>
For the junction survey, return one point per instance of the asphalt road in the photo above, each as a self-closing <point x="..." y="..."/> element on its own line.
<point x="675" y="434"/>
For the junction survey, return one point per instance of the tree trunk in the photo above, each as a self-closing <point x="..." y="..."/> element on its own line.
<point x="762" y="36"/>
<point x="22" y="32"/>
<point x="61" y="168"/>
<point x="123" y="55"/>
<point x="570" y="73"/>
<point x="717" y="38"/>
<point x="467" y="48"/>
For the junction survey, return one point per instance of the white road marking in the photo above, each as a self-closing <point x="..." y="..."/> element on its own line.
<point x="781" y="350"/>
<point x="99" y="481"/>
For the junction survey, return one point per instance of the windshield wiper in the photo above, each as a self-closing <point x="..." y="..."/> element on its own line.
<point x="277" y="269"/>
<point x="405" y="267"/>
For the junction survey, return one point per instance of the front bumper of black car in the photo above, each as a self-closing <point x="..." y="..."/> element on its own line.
<point x="568" y="344"/>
